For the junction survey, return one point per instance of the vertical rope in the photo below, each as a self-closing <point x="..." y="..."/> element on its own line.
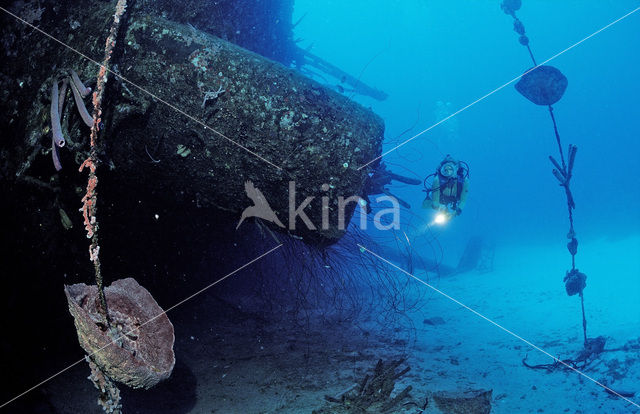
<point x="90" y="199"/>
<point x="564" y="175"/>
<point x="555" y="130"/>
<point x="531" y="54"/>
<point x="584" y="319"/>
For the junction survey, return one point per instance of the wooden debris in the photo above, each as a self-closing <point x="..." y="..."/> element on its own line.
<point x="373" y="393"/>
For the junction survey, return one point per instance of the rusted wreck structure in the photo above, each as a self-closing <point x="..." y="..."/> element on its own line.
<point x="202" y="100"/>
<point x="188" y="113"/>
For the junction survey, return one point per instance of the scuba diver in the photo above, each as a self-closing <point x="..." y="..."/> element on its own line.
<point x="448" y="190"/>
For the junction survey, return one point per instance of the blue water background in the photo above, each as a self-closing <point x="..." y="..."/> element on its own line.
<point x="435" y="57"/>
<point x="422" y="52"/>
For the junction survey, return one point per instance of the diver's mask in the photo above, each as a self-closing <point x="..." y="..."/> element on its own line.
<point x="448" y="169"/>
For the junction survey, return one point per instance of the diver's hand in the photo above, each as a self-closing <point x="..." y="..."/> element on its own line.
<point x="458" y="211"/>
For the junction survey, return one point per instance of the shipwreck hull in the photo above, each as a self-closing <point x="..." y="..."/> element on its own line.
<point x="268" y="125"/>
<point x="193" y="115"/>
<point x="168" y="188"/>
<point x="170" y="192"/>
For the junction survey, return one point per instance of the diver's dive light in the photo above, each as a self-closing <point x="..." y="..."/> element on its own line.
<point x="440" y="218"/>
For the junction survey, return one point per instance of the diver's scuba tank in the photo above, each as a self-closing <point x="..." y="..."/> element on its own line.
<point x="447" y="171"/>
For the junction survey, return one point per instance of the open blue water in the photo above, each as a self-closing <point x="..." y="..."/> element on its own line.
<point x="435" y="57"/>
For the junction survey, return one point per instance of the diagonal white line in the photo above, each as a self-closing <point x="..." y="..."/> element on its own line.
<point x="497" y="89"/>
<point x="150" y="320"/>
<point x="497" y="325"/>
<point x="151" y="94"/>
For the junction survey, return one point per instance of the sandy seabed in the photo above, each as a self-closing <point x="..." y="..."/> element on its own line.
<point x="245" y="364"/>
